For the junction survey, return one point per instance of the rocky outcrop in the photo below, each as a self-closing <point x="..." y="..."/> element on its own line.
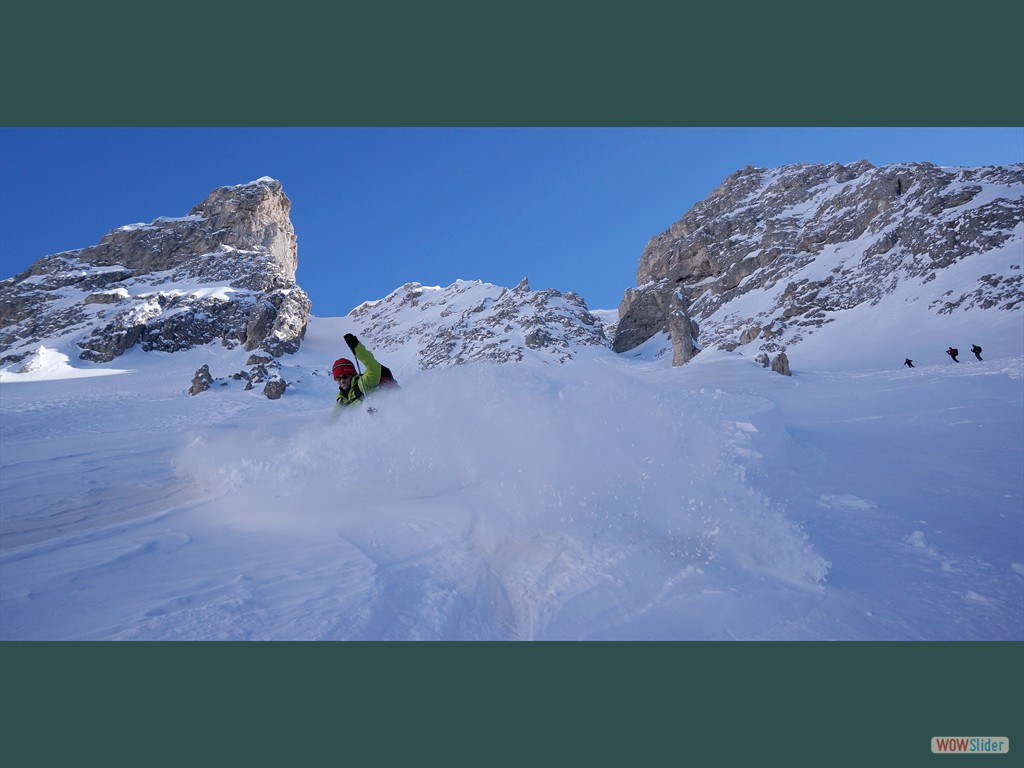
<point x="274" y="387"/>
<point x="814" y="240"/>
<point x="202" y="381"/>
<point x="224" y="272"/>
<point x="781" y="364"/>
<point x="262" y="370"/>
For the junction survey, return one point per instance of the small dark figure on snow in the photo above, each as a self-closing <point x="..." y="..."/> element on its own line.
<point x="977" y="352"/>
<point x="909" y="363"/>
<point x="953" y="352"/>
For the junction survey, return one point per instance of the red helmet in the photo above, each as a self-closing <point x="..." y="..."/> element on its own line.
<point x="343" y="367"/>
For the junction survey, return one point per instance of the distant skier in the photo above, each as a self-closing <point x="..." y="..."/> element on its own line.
<point x="953" y="352"/>
<point x="909" y="363"/>
<point x="977" y="352"/>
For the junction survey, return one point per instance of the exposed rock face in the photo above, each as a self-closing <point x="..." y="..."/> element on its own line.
<point x="815" y="240"/>
<point x="202" y="381"/>
<point x="472" y="321"/>
<point x="781" y="364"/>
<point x="225" y="271"/>
<point x="274" y="387"/>
<point x="262" y="370"/>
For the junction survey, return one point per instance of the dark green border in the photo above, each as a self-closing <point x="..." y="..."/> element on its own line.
<point x="530" y="63"/>
<point x="591" y="704"/>
<point x="505" y="704"/>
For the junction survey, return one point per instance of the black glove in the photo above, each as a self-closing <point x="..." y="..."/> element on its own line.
<point x="351" y="340"/>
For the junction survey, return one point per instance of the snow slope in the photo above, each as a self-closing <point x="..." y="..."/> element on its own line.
<point x="614" y="497"/>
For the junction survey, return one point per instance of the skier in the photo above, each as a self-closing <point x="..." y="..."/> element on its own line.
<point x="953" y="352"/>
<point x="977" y="352"/>
<point x="353" y="387"/>
<point x="909" y="363"/>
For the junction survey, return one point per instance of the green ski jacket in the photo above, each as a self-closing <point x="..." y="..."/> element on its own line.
<point x="361" y="385"/>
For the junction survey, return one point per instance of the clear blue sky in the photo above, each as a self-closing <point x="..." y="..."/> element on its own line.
<point x="374" y="208"/>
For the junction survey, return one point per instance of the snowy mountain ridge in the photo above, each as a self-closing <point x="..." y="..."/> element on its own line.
<point x="773" y="261"/>
<point x="773" y="256"/>
<point x="475" y="321"/>
<point x="225" y="272"/>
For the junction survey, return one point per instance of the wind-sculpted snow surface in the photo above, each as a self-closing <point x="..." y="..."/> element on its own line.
<point x="544" y="504"/>
<point x="613" y="498"/>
